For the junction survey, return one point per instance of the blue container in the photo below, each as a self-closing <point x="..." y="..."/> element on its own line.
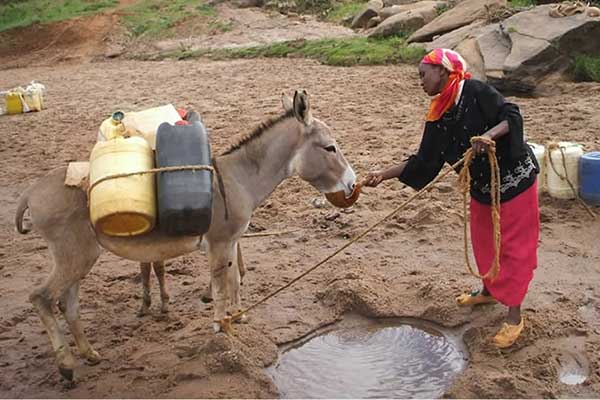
<point x="589" y="178"/>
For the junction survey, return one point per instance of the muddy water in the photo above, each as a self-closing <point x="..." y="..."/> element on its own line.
<point x="574" y="365"/>
<point x="371" y="360"/>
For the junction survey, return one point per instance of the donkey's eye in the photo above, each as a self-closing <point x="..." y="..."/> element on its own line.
<point x="330" y="148"/>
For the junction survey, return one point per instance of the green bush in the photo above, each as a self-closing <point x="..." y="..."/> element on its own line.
<point x="587" y="68"/>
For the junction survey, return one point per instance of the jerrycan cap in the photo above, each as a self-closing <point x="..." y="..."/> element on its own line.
<point x="118" y="116"/>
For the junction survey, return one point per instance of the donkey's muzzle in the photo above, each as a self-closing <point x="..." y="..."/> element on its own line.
<point x="339" y="199"/>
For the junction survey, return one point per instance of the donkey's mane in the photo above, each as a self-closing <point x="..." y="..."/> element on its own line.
<point x="259" y="130"/>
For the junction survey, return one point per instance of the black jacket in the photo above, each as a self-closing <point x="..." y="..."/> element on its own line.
<point x="479" y="108"/>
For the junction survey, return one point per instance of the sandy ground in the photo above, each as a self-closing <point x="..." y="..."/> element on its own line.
<point x="411" y="266"/>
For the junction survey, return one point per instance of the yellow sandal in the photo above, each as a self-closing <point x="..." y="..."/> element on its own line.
<point x="508" y="335"/>
<point x="473" y="298"/>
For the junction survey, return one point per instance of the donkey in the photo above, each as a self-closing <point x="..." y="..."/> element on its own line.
<point x="294" y="143"/>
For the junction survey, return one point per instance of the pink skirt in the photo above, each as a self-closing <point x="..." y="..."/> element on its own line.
<point x="520" y="228"/>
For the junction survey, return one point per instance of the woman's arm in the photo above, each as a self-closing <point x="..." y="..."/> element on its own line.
<point x="374" y="178"/>
<point x="495" y="133"/>
<point x="419" y="169"/>
<point x="506" y="117"/>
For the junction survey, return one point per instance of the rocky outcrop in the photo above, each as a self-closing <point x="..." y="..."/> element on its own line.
<point x="361" y="20"/>
<point x="464" y="13"/>
<point x="408" y="20"/>
<point x="517" y="53"/>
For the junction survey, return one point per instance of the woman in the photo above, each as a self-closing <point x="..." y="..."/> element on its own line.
<point x="463" y="108"/>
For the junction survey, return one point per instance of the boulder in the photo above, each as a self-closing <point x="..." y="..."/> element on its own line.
<point x="362" y="18"/>
<point x="540" y="44"/>
<point x="452" y="39"/>
<point x="469" y="49"/>
<point x="428" y="5"/>
<point x="389" y="3"/>
<point x="462" y="14"/>
<point x="407" y="21"/>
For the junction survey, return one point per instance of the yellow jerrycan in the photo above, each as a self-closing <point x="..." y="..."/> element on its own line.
<point x="124" y="206"/>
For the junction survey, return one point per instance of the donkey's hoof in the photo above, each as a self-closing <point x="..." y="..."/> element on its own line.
<point x="145" y="310"/>
<point x="243" y="319"/>
<point x="216" y="327"/>
<point x="164" y="309"/>
<point x="92" y="357"/>
<point x="66" y="373"/>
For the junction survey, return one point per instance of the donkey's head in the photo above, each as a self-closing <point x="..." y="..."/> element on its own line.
<point x="319" y="160"/>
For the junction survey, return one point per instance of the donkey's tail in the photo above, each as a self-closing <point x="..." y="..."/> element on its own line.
<point x="22" y="206"/>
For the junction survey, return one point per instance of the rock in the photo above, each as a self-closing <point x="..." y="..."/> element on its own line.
<point x="462" y="14"/>
<point x="494" y="48"/>
<point x="530" y="45"/>
<point x="429" y="5"/>
<point x="404" y="22"/>
<point x="407" y="21"/>
<point x="318" y="202"/>
<point x="247" y="3"/>
<point x="469" y="49"/>
<point x="389" y="3"/>
<point x="452" y="39"/>
<point x="373" y="22"/>
<point x="362" y="18"/>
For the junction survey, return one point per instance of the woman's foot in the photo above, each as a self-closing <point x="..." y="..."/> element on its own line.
<point x="508" y="334"/>
<point x="475" y="297"/>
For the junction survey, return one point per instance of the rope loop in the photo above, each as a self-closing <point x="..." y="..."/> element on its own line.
<point x="464" y="182"/>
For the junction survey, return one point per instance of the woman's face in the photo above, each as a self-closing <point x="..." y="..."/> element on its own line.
<point x="433" y="78"/>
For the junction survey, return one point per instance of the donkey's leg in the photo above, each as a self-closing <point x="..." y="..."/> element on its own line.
<point x="240" y="262"/>
<point x="69" y="305"/>
<point x="43" y="299"/>
<point x="234" y="275"/>
<point x="221" y="257"/>
<point x="159" y="271"/>
<point x="146" y="299"/>
<point x="206" y="296"/>
<point x="71" y="264"/>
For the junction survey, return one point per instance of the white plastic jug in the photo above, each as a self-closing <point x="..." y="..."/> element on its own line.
<point x="557" y="174"/>
<point x="147" y="121"/>
<point x="539" y="151"/>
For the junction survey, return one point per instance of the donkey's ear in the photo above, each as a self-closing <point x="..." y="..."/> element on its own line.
<point x="302" y="107"/>
<point x="286" y="102"/>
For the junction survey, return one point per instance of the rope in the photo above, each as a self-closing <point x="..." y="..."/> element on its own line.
<point x="150" y="171"/>
<point x="225" y="323"/>
<point x="277" y="233"/>
<point x="464" y="180"/>
<point x="550" y="146"/>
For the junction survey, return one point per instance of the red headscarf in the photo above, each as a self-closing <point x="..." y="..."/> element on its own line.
<point x="457" y="67"/>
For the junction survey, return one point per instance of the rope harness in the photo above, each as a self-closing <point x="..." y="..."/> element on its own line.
<point x="149" y="171"/>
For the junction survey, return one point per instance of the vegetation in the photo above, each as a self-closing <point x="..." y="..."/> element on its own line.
<point x="152" y="18"/>
<point x="522" y="3"/>
<point x="341" y="11"/>
<point x="587" y="68"/>
<point x="14" y="14"/>
<point x="341" y="52"/>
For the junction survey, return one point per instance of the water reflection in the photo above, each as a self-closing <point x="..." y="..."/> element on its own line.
<point x="370" y="362"/>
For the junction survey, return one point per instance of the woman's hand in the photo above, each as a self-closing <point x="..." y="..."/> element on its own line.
<point x="480" y="147"/>
<point x="373" y="178"/>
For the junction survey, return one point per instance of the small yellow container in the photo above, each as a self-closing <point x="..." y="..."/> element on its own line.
<point x="13" y="103"/>
<point x="122" y="206"/>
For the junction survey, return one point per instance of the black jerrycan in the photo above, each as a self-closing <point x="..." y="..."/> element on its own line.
<point x="184" y="197"/>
